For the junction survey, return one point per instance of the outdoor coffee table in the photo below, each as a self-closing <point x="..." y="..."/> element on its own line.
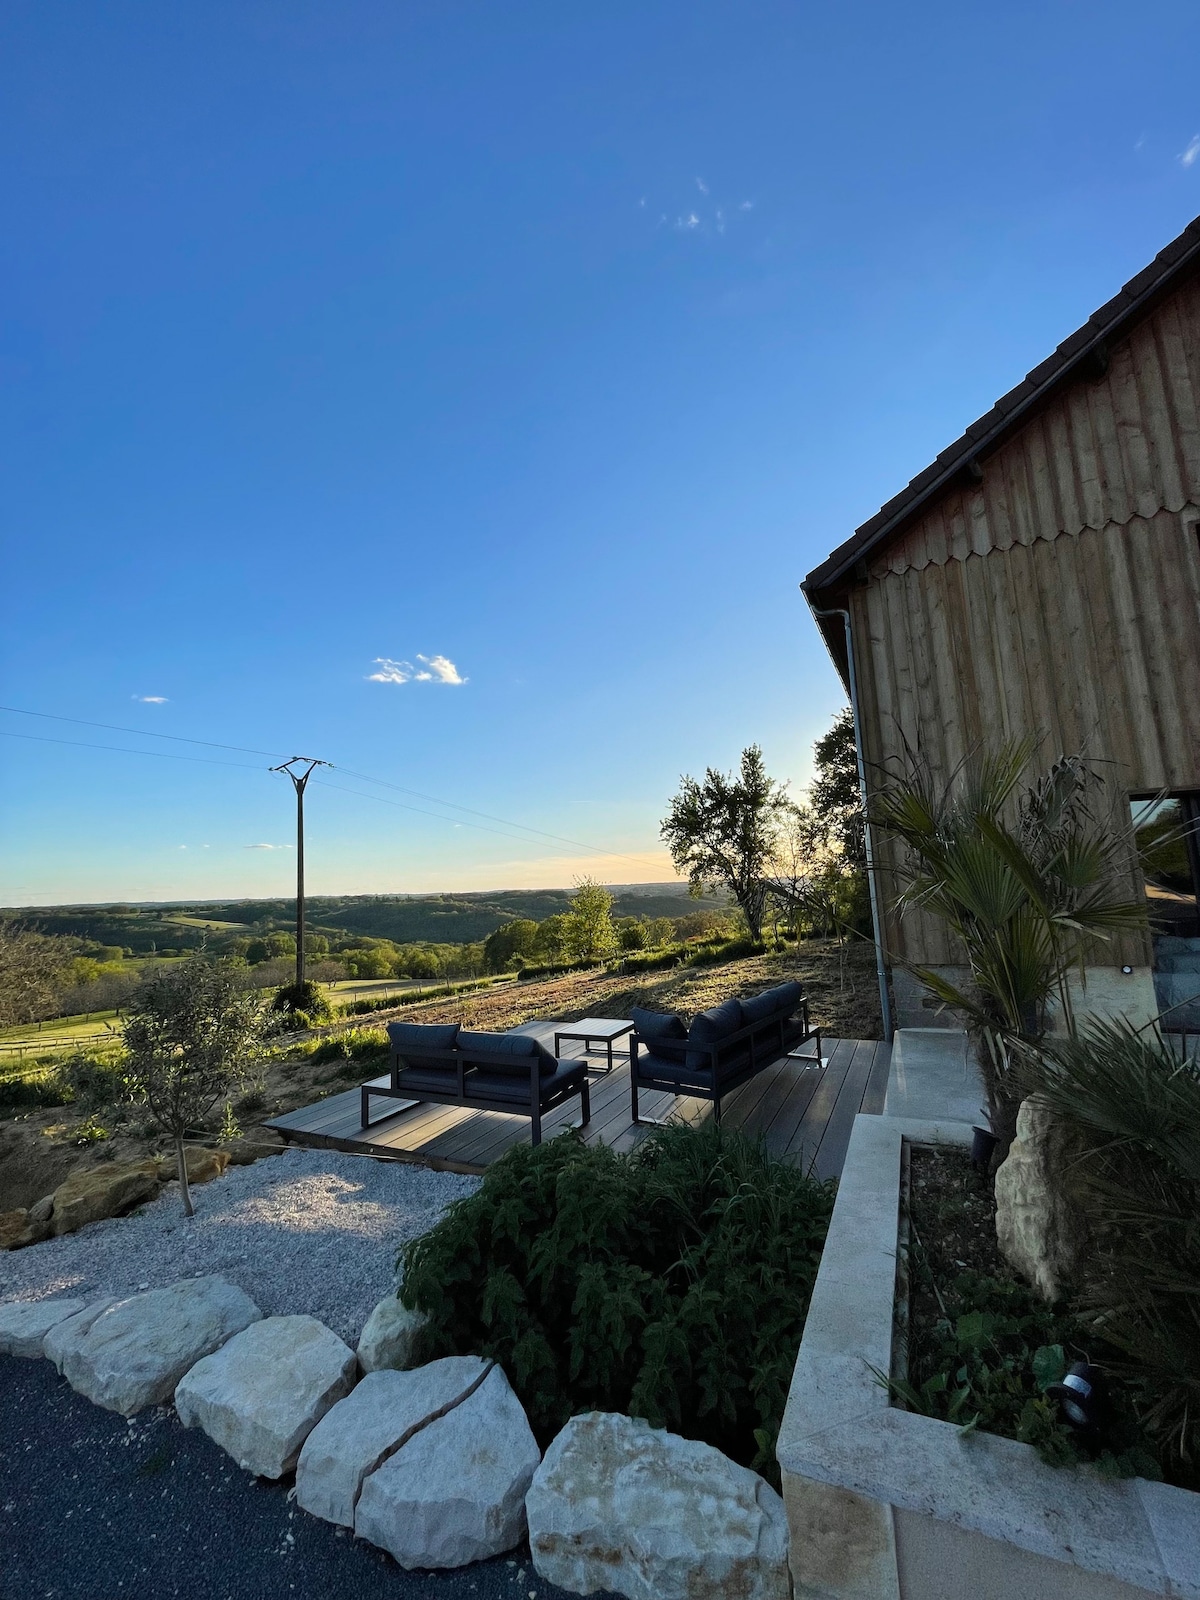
<point x="594" y="1030"/>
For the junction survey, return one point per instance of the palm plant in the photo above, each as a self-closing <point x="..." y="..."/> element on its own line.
<point x="1025" y="879"/>
<point x="1138" y="1108"/>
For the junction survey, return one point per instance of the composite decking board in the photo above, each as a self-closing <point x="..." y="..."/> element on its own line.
<point x="789" y="1103"/>
<point x="876" y="1090"/>
<point x="835" y="1136"/>
<point x="807" y="1136"/>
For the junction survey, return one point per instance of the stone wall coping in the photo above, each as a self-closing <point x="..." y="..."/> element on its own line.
<point x="840" y="1429"/>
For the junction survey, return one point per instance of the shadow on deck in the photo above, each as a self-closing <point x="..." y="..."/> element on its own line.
<point x="803" y="1111"/>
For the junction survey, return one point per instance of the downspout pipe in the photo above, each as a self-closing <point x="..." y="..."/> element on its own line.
<point x="885" y="1002"/>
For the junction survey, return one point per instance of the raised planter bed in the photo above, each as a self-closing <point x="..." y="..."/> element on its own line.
<point x="884" y="1504"/>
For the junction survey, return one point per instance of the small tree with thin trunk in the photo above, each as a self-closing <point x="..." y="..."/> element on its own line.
<point x="191" y="1034"/>
<point x="723" y="832"/>
<point x="591" y="931"/>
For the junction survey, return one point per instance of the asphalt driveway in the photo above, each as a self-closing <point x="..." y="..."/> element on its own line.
<point x="92" y="1505"/>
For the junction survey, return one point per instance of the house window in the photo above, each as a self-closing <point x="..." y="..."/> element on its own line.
<point x="1167" y="830"/>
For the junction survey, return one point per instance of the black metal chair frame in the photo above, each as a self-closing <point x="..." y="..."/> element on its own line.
<point x="461" y="1093"/>
<point x="762" y="1054"/>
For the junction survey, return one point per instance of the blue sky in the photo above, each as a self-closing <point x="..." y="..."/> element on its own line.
<point x="540" y="346"/>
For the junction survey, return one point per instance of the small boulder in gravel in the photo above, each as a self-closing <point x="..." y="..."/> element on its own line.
<point x="260" y="1396"/>
<point x="389" y="1337"/>
<point x="455" y="1493"/>
<point x="42" y="1210"/>
<point x="621" y="1506"/>
<point x="20" y="1228"/>
<point x="100" y="1192"/>
<point x="24" y="1324"/>
<point x="135" y="1352"/>
<point x="370" y="1424"/>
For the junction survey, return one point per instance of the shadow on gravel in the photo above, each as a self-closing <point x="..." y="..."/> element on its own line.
<point x="92" y="1505"/>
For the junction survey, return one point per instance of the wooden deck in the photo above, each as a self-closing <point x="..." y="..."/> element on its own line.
<point x="804" y="1112"/>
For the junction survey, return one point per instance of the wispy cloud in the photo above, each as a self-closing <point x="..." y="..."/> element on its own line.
<point x="263" y="847"/>
<point x="433" y="669"/>
<point x="1188" y="157"/>
<point x="746" y="205"/>
<point x="689" y="222"/>
<point x="701" y="185"/>
<point x="150" y="699"/>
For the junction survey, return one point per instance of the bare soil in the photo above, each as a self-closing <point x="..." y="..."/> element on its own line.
<point x="39" y="1148"/>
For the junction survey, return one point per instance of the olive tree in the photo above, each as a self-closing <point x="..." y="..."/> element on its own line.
<point x="191" y="1034"/>
<point x="33" y="966"/>
<point x="591" y="932"/>
<point x="723" y="831"/>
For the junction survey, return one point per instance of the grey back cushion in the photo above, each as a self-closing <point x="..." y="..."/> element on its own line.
<point x="780" y="1001"/>
<point x="655" y="1025"/>
<point x="507" y="1052"/>
<point x="409" y="1038"/>
<point x="710" y="1027"/>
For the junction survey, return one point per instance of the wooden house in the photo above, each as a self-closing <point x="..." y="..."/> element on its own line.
<point x="1042" y="577"/>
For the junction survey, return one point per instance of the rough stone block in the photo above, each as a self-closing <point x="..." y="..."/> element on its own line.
<point x="361" y="1431"/>
<point x="389" y="1336"/>
<point x="136" y="1350"/>
<point x="260" y="1395"/>
<point x="621" y="1506"/>
<point x="455" y="1493"/>
<point x="1040" y="1228"/>
<point x="24" y="1324"/>
<point x="100" y="1192"/>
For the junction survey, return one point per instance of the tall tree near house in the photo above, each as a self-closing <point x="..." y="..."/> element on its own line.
<point x="835" y="794"/>
<point x="723" y="832"/>
<point x="191" y="1034"/>
<point x="591" y="931"/>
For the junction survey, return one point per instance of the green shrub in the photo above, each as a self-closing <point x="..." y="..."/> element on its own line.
<point x="554" y="969"/>
<point x="37" y="1083"/>
<point x="671" y="1283"/>
<point x="362" y="1045"/>
<point x="307" y="999"/>
<point x="94" y="1080"/>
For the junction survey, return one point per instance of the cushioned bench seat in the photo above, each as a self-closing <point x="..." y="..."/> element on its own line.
<point x="448" y="1065"/>
<point x="724" y="1047"/>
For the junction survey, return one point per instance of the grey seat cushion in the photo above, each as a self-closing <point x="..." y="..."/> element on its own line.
<point x="509" y="1053"/>
<point x="711" y="1027"/>
<point x="428" y="1080"/>
<point x="662" y="1031"/>
<point x="409" y="1037"/>
<point x="780" y="1001"/>
<point x="486" y="1084"/>
<point x="682" y="1076"/>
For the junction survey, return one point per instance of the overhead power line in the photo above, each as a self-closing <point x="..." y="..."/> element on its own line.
<point x="144" y="733"/>
<point x="161" y="755"/>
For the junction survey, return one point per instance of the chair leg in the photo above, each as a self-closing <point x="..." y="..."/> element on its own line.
<point x="365" y="1109"/>
<point x="537" y="1125"/>
<point x="633" y="1097"/>
<point x="585" y="1096"/>
<point x="717" y="1109"/>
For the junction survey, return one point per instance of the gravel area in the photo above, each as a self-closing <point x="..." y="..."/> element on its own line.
<point x="309" y="1230"/>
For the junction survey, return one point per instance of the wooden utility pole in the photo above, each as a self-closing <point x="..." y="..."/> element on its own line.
<point x="300" y="782"/>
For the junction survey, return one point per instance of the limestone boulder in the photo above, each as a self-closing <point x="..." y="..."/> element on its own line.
<point x="1041" y="1221"/>
<point x="370" y="1424"/>
<point x="203" y="1164"/>
<point x="389" y="1336"/>
<point x="254" y="1144"/>
<point x="455" y="1493"/>
<point x="620" y="1506"/>
<point x="136" y="1350"/>
<point x="42" y="1210"/>
<point x="25" y="1324"/>
<point x="20" y="1228"/>
<point x="104" y="1191"/>
<point x="261" y="1395"/>
<point x="63" y="1336"/>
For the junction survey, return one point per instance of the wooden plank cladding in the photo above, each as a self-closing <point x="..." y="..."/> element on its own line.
<point x="1098" y="454"/>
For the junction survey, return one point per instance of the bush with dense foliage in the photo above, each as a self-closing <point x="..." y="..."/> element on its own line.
<point x="302" y="999"/>
<point x="671" y="1283"/>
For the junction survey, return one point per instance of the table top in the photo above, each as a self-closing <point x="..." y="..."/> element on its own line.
<point x="594" y="1028"/>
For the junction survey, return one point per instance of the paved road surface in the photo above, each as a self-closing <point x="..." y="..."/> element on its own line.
<point x="97" y="1507"/>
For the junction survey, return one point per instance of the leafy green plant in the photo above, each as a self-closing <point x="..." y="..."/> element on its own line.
<point x="1137" y="1106"/>
<point x="95" y="1080"/>
<point x="671" y="1283"/>
<point x="36" y="1083"/>
<point x="1024" y="878"/>
<point x="302" y="999"/>
<point x="361" y="1046"/>
<point x="90" y="1131"/>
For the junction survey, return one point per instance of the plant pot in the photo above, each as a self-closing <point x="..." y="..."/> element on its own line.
<point x="983" y="1146"/>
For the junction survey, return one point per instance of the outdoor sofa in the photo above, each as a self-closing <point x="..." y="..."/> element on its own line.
<point x="724" y="1047"/>
<point x="484" y="1071"/>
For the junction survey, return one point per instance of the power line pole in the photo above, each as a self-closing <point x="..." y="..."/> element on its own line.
<point x="300" y="782"/>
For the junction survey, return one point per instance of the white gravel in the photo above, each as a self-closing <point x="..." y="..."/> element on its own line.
<point x="309" y="1230"/>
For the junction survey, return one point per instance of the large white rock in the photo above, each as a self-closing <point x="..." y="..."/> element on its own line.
<point x="261" y="1395"/>
<point x="370" y="1424"/>
<point x="389" y="1336"/>
<point x="620" y="1506"/>
<point x="24" y="1324"/>
<point x="64" y="1336"/>
<point x="455" y="1492"/>
<point x="136" y="1350"/>
<point x="1041" y="1222"/>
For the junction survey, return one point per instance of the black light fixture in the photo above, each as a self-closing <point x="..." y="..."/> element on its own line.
<point x="1127" y="970"/>
<point x="1080" y="1397"/>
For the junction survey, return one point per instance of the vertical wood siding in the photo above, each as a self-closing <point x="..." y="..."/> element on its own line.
<point x="1059" y="598"/>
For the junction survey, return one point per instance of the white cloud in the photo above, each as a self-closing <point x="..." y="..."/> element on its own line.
<point x="689" y="222"/>
<point x="264" y="847"/>
<point x="150" y="699"/>
<point x="434" y="669"/>
<point x="701" y="185"/>
<point x="746" y="205"/>
<point x="1189" y="156"/>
